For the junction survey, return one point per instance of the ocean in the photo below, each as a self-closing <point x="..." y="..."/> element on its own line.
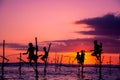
<point x="59" y="72"/>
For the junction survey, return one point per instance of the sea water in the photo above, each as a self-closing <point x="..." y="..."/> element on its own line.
<point x="60" y="73"/>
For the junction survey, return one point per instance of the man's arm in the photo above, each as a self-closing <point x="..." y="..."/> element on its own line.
<point x="25" y="53"/>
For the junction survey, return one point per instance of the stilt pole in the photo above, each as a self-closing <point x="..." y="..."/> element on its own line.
<point x="3" y="59"/>
<point x="20" y="65"/>
<point x="45" y="67"/>
<point x="78" y="68"/>
<point x="110" y="65"/>
<point x="36" y="65"/>
<point x="100" y="68"/>
<point x="60" y="64"/>
<point x="82" y="70"/>
<point x="119" y="62"/>
<point x="46" y="60"/>
<point x="55" y="63"/>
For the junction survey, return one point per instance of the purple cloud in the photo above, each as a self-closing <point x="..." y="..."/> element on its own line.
<point x="107" y="25"/>
<point x="15" y="46"/>
<point x="109" y="45"/>
<point x="73" y="45"/>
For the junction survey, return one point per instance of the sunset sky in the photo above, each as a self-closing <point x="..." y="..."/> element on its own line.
<point x="70" y="25"/>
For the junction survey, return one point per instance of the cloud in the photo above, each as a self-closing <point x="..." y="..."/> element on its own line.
<point x="15" y="46"/>
<point x="70" y="45"/>
<point x="107" y="25"/>
<point x="109" y="45"/>
<point x="73" y="45"/>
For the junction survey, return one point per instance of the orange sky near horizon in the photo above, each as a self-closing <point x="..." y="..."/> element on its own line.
<point x="66" y="57"/>
<point x="50" y="20"/>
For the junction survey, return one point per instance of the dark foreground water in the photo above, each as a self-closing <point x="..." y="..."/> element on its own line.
<point x="63" y="73"/>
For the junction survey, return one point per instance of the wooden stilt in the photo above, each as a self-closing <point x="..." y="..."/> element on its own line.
<point x="79" y="69"/>
<point x="3" y="60"/>
<point x="96" y="66"/>
<point x="45" y="67"/>
<point x="55" y="63"/>
<point x="46" y="60"/>
<point x="82" y="66"/>
<point x="69" y="60"/>
<point x="20" y="65"/>
<point x="110" y="66"/>
<point x="100" y="67"/>
<point x="36" y="62"/>
<point x="119" y="62"/>
<point x="60" y="62"/>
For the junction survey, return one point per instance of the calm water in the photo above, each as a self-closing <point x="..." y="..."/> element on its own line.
<point x="66" y="73"/>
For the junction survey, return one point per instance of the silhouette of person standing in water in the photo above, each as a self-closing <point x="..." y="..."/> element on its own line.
<point x="30" y="52"/>
<point x="97" y="49"/>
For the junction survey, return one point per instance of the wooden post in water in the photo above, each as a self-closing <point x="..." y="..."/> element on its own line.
<point x="60" y="64"/>
<point x="119" y="62"/>
<point x="20" y="65"/>
<point x="96" y="65"/>
<point x="110" y="65"/>
<point x="100" y="67"/>
<point x="36" y="62"/>
<point x="79" y="69"/>
<point x="82" y="65"/>
<point x="100" y="61"/>
<point x="55" y="63"/>
<point x="69" y="60"/>
<point x="3" y="60"/>
<point x="45" y="67"/>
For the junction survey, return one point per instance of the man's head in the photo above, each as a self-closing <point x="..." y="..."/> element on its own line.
<point x="30" y="45"/>
<point x="44" y="48"/>
<point x="95" y="41"/>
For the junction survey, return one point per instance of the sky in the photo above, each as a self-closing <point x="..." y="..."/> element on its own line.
<point x="70" y="25"/>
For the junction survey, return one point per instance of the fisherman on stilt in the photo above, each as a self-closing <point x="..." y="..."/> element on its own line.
<point x="97" y="53"/>
<point x="80" y="57"/>
<point x="30" y="52"/>
<point x="45" y="57"/>
<point x="80" y="60"/>
<point x="97" y="49"/>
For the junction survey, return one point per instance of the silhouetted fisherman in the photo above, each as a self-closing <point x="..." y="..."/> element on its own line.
<point x="97" y="49"/>
<point x="97" y="52"/>
<point x="46" y="52"/>
<point x="78" y="56"/>
<point x="30" y="52"/>
<point x="45" y="56"/>
<point x="82" y="57"/>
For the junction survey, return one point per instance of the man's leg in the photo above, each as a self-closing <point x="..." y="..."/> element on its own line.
<point x="43" y="58"/>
